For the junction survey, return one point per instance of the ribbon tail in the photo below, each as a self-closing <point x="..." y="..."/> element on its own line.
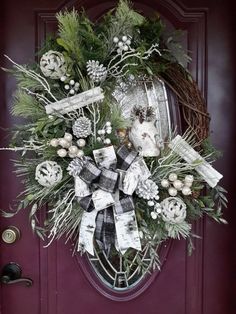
<point x="86" y="234"/>
<point x="126" y="225"/>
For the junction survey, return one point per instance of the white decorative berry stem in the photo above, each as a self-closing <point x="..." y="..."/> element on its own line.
<point x="34" y="76"/>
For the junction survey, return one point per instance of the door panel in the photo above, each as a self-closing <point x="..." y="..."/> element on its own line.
<point x="62" y="284"/>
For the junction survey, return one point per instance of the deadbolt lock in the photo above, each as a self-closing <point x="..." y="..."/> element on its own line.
<point x="11" y="234"/>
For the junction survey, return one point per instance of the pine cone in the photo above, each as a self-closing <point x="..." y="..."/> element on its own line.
<point x="147" y="190"/>
<point x="96" y="72"/>
<point x="82" y="127"/>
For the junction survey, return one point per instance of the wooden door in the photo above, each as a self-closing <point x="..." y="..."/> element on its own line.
<point x="201" y="284"/>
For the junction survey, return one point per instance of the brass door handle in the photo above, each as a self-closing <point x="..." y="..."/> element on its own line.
<point x="11" y="274"/>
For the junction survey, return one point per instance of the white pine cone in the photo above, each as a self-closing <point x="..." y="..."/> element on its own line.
<point x="96" y="72"/>
<point x="82" y="127"/>
<point x="147" y="189"/>
<point x="173" y="210"/>
<point x="53" y="65"/>
<point x="75" y="166"/>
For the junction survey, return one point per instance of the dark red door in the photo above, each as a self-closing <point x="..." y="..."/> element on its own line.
<point x="201" y="284"/>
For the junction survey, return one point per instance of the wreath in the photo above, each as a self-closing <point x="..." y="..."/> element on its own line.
<point x="112" y="180"/>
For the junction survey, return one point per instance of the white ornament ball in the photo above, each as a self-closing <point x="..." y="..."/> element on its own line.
<point x="68" y="137"/>
<point x="81" y="142"/>
<point x="150" y="203"/>
<point x="73" y="150"/>
<point x="115" y="40"/>
<point x="107" y="141"/>
<point x="54" y="142"/>
<point x="124" y="38"/>
<point x="173" y="177"/>
<point x="154" y="215"/>
<point x="178" y="184"/>
<point x="80" y="153"/>
<point x="186" y="190"/>
<point x="172" y="191"/>
<point x="64" y="143"/>
<point x="48" y="173"/>
<point x="165" y="183"/>
<point x="62" y="152"/>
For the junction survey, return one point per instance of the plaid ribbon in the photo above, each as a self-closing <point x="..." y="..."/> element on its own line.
<point x="107" y="180"/>
<point x="125" y="157"/>
<point x="105" y="230"/>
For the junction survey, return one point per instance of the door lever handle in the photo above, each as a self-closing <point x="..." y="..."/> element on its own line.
<point x="11" y="274"/>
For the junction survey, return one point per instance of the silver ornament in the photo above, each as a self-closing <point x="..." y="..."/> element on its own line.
<point x="173" y="210"/>
<point x="82" y="127"/>
<point x="53" y="65"/>
<point x="147" y="189"/>
<point x="48" y="173"/>
<point x="96" y="72"/>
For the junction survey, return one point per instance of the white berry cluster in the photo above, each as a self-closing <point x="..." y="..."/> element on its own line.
<point x="70" y="85"/>
<point x="106" y="130"/>
<point x="174" y="185"/>
<point x="122" y="44"/>
<point x="67" y="147"/>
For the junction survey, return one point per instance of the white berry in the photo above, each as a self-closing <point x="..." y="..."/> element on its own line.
<point x="99" y="139"/>
<point x="172" y="191"/>
<point x="102" y="132"/>
<point x="188" y="184"/>
<point x="72" y="82"/>
<point x="72" y="155"/>
<point x="108" y="123"/>
<point x="115" y="40"/>
<point x="178" y="185"/>
<point x="128" y="42"/>
<point x="72" y="91"/>
<point x="165" y="183"/>
<point x="81" y="142"/>
<point x="150" y="203"/>
<point x="54" y="142"/>
<point x="67" y="86"/>
<point x="126" y="48"/>
<point x="120" y="44"/>
<point x="109" y="130"/>
<point x="62" y="152"/>
<point x="119" y="51"/>
<point x="64" y="143"/>
<point x="80" y="153"/>
<point x="124" y="38"/>
<point x="186" y="190"/>
<point x="173" y="176"/>
<point x="154" y="215"/>
<point x="63" y="78"/>
<point x="68" y="137"/>
<point x="73" y="149"/>
<point x="188" y="178"/>
<point x="107" y="141"/>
